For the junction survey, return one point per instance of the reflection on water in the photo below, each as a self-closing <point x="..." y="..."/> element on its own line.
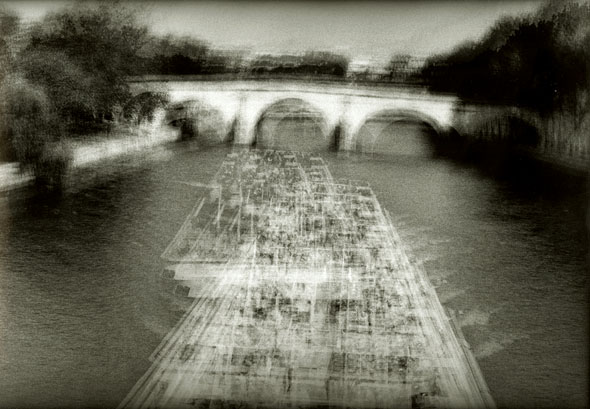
<point x="292" y="133"/>
<point x="81" y="308"/>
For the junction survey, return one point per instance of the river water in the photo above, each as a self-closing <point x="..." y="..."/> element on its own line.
<point x="82" y="308"/>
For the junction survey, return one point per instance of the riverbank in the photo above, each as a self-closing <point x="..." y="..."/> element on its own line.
<point x="123" y="139"/>
<point x="473" y="365"/>
<point x="120" y="142"/>
<point x="575" y="167"/>
<point x="11" y="177"/>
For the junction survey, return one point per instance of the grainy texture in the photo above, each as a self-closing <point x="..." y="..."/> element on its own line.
<point x="304" y="296"/>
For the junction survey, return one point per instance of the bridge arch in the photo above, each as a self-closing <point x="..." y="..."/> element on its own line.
<point x="196" y="118"/>
<point x="143" y="106"/>
<point x="506" y="128"/>
<point x="369" y="132"/>
<point x="313" y="132"/>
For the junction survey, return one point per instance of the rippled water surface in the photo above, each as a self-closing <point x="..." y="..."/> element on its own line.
<point x="81" y="306"/>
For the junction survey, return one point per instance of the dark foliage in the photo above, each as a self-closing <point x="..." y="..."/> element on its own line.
<point x="541" y="62"/>
<point x="170" y="55"/>
<point x="81" y="56"/>
<point x="143" y="107"/>
<point x="32" y="126"/>
<point x="9" y="25"/>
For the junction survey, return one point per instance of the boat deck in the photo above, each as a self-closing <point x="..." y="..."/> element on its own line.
<point x="303" y="297"/>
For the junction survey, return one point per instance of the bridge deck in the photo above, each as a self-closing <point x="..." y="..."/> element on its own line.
<point x="303" y="297"/>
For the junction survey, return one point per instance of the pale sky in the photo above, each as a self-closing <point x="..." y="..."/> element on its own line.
<point x="355" y="28"/>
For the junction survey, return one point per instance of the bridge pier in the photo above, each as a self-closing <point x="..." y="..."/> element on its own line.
<point x="244" y="122"/>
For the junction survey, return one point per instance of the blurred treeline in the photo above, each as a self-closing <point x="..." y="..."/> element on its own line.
<point x="539" y="62"/>
<point x="311" y="63"/>
<point x="170" y="55"/>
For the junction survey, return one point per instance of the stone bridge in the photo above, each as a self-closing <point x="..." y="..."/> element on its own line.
<point x="237" y="108"/>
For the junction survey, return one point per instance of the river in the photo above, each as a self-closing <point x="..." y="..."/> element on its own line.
<point x="82" y="308"/>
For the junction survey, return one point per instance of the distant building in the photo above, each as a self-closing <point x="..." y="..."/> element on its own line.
<point x="398" y="68"/>
<point x="308" y="63"/>
<point x="369" y="69"/>
<point x="268" y="62"/>
<point x="225" y="60"/>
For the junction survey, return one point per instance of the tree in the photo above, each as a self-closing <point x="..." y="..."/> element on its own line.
<point x="143" y="107"/>
<point x="9" y="25"/>
<point x="172" y="55"/>
<point x="69" y="87"/>
<point x="540" y="62"/>
<point x="101" y="44"/>
<point x="31" y="125"/>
